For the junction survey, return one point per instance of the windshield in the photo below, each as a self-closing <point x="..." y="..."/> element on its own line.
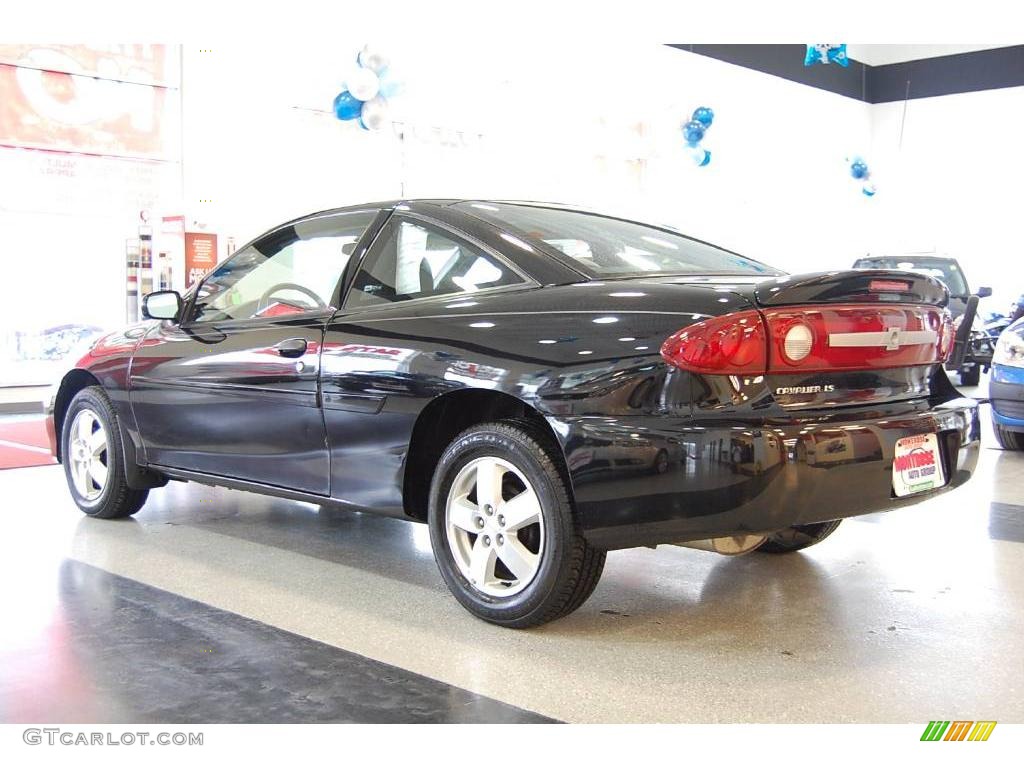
<point x="602" y="246"/>
<point x="945" y="270"/>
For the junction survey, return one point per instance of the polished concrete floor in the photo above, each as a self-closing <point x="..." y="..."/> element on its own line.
<point x="214" y="605"/>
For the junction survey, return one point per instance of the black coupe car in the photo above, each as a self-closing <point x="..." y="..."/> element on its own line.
<point x="538" y="384"/>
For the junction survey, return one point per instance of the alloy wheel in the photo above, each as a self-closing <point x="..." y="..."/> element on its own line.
<point x="88" y="455"/>
<point x="495" y="526"/>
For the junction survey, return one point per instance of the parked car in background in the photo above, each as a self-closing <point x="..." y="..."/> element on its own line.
<point x="529" y="382"/>
<point x="1006" y="387"/>
<point x="1017" y="308"/>
<point x="980" y="343"/>
<point x="996" y="322"/>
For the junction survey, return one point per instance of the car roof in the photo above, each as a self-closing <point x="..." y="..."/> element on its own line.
<point x="545" y="263"/>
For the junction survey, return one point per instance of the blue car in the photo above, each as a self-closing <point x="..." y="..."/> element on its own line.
<point x="1006" y="388"/>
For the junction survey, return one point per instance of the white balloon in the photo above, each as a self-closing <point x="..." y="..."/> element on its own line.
<point x="373" y="59"/>
<point x="375" y="113"/>
<point x="363" y="83"/>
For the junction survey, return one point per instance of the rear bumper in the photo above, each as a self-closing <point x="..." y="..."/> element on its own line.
<point x="745" y="479"/>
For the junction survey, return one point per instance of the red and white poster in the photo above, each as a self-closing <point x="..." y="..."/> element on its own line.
<point x="200" y="256"/>
<point x="107" y="101"/>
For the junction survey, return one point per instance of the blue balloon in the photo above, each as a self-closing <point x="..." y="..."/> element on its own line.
<point x="347" y="106"/>
<point x="825" y="53"/>
<point x="389" y="87"/>
<point x="859" y="169"/>
<point x="704" y="116"/>
<point x="706" y="160"/>
<point x="837" y="54"/>
<point x="868" y="190"/>
<point x="693" y="132"/>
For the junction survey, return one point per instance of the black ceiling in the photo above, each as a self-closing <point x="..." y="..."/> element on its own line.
<point x="937" y="76"/>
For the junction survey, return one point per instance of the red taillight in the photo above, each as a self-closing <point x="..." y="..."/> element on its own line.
<point x="813" y="339"/>
<point x="732" y="344"/>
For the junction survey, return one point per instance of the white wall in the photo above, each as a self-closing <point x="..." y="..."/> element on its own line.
<point x="599" y="126"/>
<point x="952" y="186"/>
<point x="593" y="126"/>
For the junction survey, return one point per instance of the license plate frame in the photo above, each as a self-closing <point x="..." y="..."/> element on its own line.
<point x="917" y="465"/>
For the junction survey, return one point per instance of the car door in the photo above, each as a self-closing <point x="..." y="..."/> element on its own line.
<point x="233" y="390"/>
<point x="377" y="369"/>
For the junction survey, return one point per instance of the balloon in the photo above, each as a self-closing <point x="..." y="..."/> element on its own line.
<point x="373" y="59"/>
<point x="704" y="116"/>
<point x="390" y="87"/>
<point x="869" y="189"/>
<point x="837" y="54"/>
<point x="700" y="156"/>
<point x="693" y="132"/>
<point x="347" y="106"/>
<point x="363" y="83"/>
<point x="859" y="170"/>
<point x="375" y="114"/>
<point x="825" y="53"/>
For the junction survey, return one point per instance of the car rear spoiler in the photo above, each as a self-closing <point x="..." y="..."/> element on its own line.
<point x="866" y="286"/>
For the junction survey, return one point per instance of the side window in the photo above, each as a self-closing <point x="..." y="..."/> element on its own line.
<point x="288" y="271"/>
<point x="411" y="260"/>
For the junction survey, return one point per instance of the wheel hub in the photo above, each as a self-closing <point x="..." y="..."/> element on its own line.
<point x="494" y="526"/>
<point x="88" y="455"/>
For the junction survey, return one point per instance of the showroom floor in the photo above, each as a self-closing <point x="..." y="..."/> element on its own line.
<point x="214" y="605"/>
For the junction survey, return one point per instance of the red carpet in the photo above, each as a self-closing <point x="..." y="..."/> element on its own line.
<point x="23" y="443"/>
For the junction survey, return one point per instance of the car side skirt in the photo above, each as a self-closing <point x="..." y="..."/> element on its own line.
<point x="221" y="481"/>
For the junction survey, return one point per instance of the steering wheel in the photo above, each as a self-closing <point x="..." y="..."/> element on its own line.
<point x="264" y="301"/>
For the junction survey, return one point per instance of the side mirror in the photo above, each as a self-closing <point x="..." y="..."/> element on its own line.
<point x="984" y="292"/>
<point x="162" y="305"/>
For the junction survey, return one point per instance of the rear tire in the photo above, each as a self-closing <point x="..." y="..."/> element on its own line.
<point x="503" y="530"/>
<point x="798" y="537"/>
<point x="1008" y="441"/>
<point x="93" y="458"/>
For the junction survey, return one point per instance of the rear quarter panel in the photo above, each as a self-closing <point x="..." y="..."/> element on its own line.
<point x="586" y="356"/>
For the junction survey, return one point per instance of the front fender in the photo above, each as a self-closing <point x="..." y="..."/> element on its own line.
<point x="103" y="361"/>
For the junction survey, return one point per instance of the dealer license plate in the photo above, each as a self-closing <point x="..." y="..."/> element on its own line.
<point x="917" y="466"/>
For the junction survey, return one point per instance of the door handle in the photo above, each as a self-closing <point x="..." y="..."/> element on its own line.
<point x="292" y="348"/>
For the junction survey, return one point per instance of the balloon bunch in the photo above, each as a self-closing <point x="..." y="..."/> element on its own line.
<point x="824" y="53"/>
<point x="860" y="172"/>
<point x="367" y="90"/>
<point x="693" y="132"/>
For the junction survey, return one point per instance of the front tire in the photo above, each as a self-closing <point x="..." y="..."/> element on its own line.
<point x="503" y="530"/>
<point x="93" y="458"/>
<point x="1008" y="441"/>
<point x="798" y="537"/>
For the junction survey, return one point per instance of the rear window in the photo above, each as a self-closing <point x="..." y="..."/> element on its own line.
<point x="942" y="269"/>
<point x="607" y="247"/>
